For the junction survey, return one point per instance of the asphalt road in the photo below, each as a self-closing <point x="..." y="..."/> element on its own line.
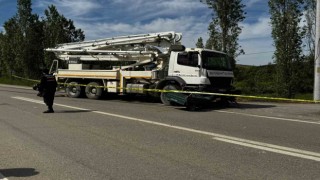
<point x="117" y="138"/>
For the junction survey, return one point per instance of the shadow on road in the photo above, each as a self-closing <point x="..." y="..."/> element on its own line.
<point x="19" y="172"/>
<point x="254" y="106"/>
<point x="74" y="111"/>
<point x="132" y="98"/>
<point x="216" y="106"/>
<point x="205" y="107"/>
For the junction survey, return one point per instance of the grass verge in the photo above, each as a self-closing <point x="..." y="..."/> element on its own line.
<point x="15" y="81"/>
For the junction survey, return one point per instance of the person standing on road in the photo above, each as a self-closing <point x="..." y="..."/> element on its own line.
<point x="47" y="89"/>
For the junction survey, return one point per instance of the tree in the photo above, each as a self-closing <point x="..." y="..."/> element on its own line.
<point x="25" y="37"/>
<point x="255" y="80"/>
<point x="199" y="44"/>
<point x="58" y="29"/>
<point x="310" y="24"/>
<point x="34" y="48"/>
<point x="224" y="29"/>
<point x="309" y="28"/>
<point x="285" y="19"/>
<point x="30" y="38"/>
<point x="1" y="54"/>
<point x="22" y="45"/>
<point x="9" y="46"/>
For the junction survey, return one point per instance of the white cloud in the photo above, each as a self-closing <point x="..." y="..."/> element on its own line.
<point x="142" y="10"/>
<point x="260" y="29"/>
<point x="258" y="51"/>
<point x="189" y="26"/>
<point x="257" y="43"/>
<point x="190" y="17"/>
<point x="138" y="10"/>
<point x="250" y="3"/>
<point x="71" y="8"/>
<point x="156" y="5"/>
<point x="256" y="38"/>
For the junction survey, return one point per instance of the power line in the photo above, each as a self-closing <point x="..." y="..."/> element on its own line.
<point x="264" y="52"/>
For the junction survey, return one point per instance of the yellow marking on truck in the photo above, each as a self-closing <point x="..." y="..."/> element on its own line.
<point x="145" y="77"/>
<point x="121" y="83"/>
<point x="84" y="76"/>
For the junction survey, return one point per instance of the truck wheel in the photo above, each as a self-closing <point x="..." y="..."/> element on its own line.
<point x="73" y="90"/>
<point x="92" y="91"/>
<point x="224" y="103"/>
<point x="163" y="96"/>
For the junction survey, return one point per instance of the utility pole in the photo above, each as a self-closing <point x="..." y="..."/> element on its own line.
<point x="316" y="92"/>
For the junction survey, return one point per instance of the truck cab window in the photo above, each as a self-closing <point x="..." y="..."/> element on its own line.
<point x="216" y="61"/>
<point x="188" y="59"/>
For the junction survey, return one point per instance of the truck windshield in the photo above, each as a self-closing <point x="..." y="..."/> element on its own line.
<point x="215" y="61"/>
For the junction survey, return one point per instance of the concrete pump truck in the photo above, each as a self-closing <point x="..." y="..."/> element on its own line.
<point x="152" y="64"/>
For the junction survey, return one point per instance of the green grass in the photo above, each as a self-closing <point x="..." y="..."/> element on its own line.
<point x="306" y="96"/>
<point x="15" y="81"/>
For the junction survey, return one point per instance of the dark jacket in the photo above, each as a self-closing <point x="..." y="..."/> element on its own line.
<point x="48" y="84"/>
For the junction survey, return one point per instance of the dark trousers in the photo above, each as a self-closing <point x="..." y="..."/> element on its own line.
<point x="48" y="98"/>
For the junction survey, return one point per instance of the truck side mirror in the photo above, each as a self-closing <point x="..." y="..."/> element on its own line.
<point x="54" y="66"/>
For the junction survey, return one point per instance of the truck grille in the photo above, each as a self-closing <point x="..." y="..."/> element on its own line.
<point x="220" y="82"/>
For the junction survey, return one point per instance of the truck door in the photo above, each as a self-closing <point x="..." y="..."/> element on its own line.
<point x="187" y="67"/>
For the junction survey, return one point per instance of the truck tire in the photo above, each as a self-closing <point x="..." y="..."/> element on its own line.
<point x="74" y="90"/>
<point x="92" y="91"/>
<point x="163" y="97"/>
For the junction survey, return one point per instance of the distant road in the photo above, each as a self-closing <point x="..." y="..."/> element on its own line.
<point x="118" y="138"/>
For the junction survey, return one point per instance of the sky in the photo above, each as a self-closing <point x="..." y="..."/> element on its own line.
<point x="109" y="18"/>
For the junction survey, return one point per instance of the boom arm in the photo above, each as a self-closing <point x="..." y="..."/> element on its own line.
<point x="141" y="48"/>
<point x="133" y="44"/>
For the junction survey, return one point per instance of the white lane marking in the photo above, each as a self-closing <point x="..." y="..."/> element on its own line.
<point x="2" y="177"/>
<point x="229" y="139"/>
<point x="269" y="117"/>
<point x="273" y="148"/>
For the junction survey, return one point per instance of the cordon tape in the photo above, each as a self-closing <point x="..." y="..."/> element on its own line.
<point x="189" y="92"/>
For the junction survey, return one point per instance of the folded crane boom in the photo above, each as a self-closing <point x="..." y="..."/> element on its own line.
<point x="124" y="48"/>
<point x="163" y="39"/>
